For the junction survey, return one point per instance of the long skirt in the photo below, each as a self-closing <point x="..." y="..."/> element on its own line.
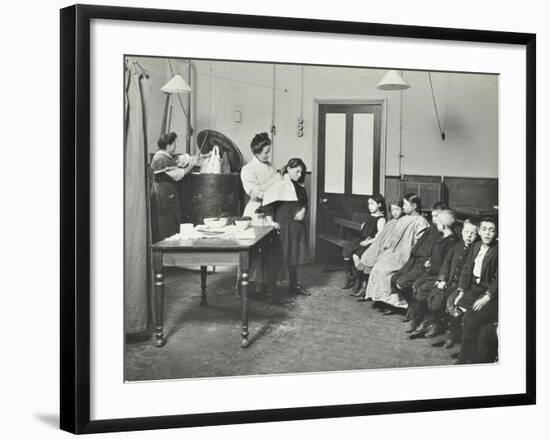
<point x="165" y="210"/>
<point x="293" y="245"/>
<point x="379" y="284"/>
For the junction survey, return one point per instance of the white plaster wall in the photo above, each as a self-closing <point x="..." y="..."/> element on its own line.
<point x="160" y="73"/>
<point x="468" y="111"/>
<point x="255" y="101"/>
<point x="467" y="106"/>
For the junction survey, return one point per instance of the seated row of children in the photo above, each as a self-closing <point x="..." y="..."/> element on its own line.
<point x="442" y="283"/>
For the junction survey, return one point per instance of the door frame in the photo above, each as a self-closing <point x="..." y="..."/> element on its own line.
<point x="375" y="100"/>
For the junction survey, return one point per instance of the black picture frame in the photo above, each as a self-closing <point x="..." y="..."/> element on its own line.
<point x="75" y="217"/>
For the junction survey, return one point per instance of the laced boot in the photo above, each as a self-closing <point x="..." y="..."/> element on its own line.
<point x="349" y="279"/>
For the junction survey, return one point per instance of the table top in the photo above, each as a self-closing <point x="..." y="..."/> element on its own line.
<point x="213" y="243"/>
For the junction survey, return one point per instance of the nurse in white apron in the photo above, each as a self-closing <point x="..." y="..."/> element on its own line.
<point x="257" y="175"/>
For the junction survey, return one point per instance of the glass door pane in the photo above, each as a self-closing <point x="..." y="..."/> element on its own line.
<point x="335" y="153"/>
<point x="363" y="154"/>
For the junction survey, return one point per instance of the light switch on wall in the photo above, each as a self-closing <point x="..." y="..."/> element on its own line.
<point x="236" y="116"/>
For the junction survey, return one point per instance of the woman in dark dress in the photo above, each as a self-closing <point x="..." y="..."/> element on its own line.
<point x="289" y="217"/>
<point x="167" y="171"/>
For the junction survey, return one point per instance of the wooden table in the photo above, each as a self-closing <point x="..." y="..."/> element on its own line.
<point x="211" y="251"/>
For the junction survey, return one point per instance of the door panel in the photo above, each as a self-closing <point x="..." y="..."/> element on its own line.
<point x="335" y="143"/>
<point x="363" y="154"/>
<point x="348" y="168"/>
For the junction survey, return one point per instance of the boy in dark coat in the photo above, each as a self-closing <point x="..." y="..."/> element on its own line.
<point x="423" y="286"/>
<point x="447" y="283"/>
<point x="479" y="284"/>
<point x="402" y="281"/>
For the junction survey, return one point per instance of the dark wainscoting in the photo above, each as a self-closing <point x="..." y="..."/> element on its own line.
<point x="458" y="192"/>
<point x="481" y="193"/>
<point x="470" y="197"/>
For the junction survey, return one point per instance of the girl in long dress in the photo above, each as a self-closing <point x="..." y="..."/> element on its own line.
<point x="376" y="247"/>
<point x="370" y="229"/>
<point x="392" y="252"/>
<point x="289" y="217"/>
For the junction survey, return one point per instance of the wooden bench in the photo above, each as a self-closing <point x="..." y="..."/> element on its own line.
<point x="340" y="240"/>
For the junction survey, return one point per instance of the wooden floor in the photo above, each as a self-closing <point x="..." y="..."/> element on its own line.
<point x="326" y="331"/>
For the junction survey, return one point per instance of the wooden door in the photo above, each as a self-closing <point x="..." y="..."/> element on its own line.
<point x="348" y="165"/>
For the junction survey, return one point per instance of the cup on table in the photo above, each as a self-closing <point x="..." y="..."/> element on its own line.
<point x="242" y="223"/>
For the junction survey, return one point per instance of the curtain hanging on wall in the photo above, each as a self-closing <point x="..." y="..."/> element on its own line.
<point x="136" y="229"/>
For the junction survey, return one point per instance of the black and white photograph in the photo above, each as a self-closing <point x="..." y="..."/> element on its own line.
<point x="275" y="218"/>
<point x="284" y="218"/>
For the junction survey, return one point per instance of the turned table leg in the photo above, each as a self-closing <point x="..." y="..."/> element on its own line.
<point x="271" y="275"/>
<point x="244" y="284"/>
<point x="203" y="285"/>
<point x="158" y="314"/>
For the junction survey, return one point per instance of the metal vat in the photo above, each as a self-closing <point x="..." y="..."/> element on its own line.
<point x="210" y="195"/>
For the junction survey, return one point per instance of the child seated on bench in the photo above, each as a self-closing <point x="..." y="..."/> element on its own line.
<point x="381" y="264"/>
<point x="442" y="296"/>
<point x="422" y="287"/>
<point x="478" y="291"/>
<point x="381" y="242"/>
<point x="373" y="225"/>
<point x="402" y="280"/>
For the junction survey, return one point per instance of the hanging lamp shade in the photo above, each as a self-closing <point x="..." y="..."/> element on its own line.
<point x="392" y="81"/>
<point x="176" y="85"/>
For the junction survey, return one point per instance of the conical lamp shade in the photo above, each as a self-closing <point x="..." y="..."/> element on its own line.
<point x="176" y="85"/>
<point x="392" y="81"/>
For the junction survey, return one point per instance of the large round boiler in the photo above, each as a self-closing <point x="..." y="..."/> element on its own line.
<point x="209" y="195"/>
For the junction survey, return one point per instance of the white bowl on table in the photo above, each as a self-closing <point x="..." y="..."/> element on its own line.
<point x="242" y="224"/>
<point x="215" y="223"/>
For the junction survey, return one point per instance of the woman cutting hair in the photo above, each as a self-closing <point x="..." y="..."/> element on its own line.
<point x="258" y="174"/>
<point x="167" y="171"/>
